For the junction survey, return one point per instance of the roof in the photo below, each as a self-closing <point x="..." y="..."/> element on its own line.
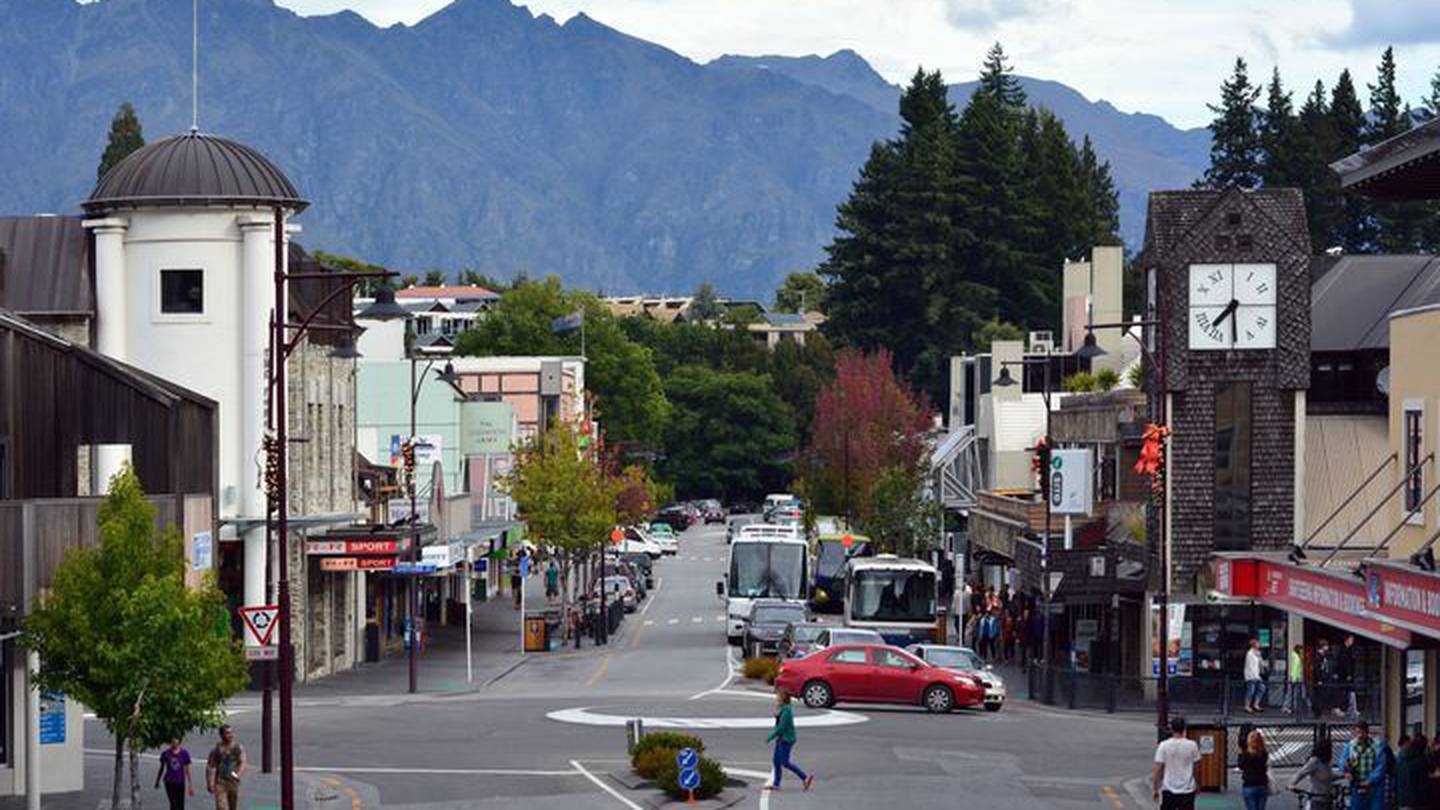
<point x="788" y="320"/>
<point x="457" y="292"/>
<point x="1351" y="304"/>
<point x="45" y="265"/>
<point x="1404" y="167"/>
<point x="1171" y="214"/>
<point x="193" y="169"/>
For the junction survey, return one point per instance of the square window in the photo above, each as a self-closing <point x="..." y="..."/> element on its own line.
<point x="182" y="292"/>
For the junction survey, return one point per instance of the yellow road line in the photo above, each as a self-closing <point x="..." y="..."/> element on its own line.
<point x="1113" y="797"/>
<point x="599" y="671"/>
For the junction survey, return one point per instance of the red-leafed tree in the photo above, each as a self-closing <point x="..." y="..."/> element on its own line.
<point x="868" y="426"/>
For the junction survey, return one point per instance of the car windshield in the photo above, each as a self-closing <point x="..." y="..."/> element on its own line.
<point x="778" y="614"/>
<point x="767" y="570"/>
<point x="892" y="596"/>
<point x="805" y="633"/>
<point x="954" y="659"/>
<point x="855" y="637"/>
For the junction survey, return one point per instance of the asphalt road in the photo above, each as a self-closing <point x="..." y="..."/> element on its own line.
<point x="548" y="733"/>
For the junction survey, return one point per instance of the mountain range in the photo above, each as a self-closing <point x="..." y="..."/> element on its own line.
<point x="485" y="136"/>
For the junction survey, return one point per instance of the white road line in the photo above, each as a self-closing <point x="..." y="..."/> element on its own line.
<point x="653" y="594"/>
<point x="697" y="619"/>
<point x="720" y="617"/>
<point x="649" y="622"/>
<point x="442" y="771"/>
<point x="824" y="719"/>
<point x="712" y="559"/>
<point x="673" y="621"/>
<point x="612" y="791"/>
<point x="729" y="676"/>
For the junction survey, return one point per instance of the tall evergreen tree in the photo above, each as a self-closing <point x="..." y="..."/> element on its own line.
<point x="1387" y="112"/>
<point x="1279" y="136"/>
<point x="1103" y="211"/>
<point x="997" y="79"/>
<point x="125" y="137"/>
<point x="1398" y="227"/>
<point x="1234" y="144"/>
<point x="1356" y="227"/>
<point x="1433" y="102"/>
<point x="1316" y="148"/>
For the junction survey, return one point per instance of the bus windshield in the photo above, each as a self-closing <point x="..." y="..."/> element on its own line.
<point x="892" y="596"/>
<point x="767" y="570"/>
<point x="830" y="562"/>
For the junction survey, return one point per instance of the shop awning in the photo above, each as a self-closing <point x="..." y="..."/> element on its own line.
<point x="1404" y="595"/>
<point x="1333" y="597"/>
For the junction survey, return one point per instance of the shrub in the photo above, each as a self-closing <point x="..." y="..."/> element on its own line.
<point x="1106" y="379"/>
<point x="761" y="669"/>
<point x="712" y="780"/>
<point x="670" y="740"/>
<point x="651" y="762"/>
<point x="1080" y="382"/>
<point x="1136" y="375"/>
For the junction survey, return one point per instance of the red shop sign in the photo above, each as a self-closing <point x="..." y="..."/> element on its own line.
<point x="357" y="563"/>
<point x="1337" y="600"/>
<point x="389" y="546"/>
<point x="1408" y="598"/>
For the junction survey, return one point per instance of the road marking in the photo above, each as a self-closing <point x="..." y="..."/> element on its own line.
<point x="698" y="619"/>
<point x="1113" y="797"/>
<point x="729" y="676"/>
<point x="712" y="559"/>
<point x="612" y="791"/>
<point x="720" y="617"/>
<point x="673" y="621"/>
<point x="653" y="594"/>
<point x="599" y="671"/>
<point x="648" y="622"/>
<point x="438" y="771"/>
<point x="825" y="719"/>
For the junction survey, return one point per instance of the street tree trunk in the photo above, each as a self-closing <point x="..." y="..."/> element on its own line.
<point x="119" y="773"/>
<point x="135" y="798"/>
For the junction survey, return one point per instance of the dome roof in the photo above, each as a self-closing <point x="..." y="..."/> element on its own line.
<point x="193" y="169"/>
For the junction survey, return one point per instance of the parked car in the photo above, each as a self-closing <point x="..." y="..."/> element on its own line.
<point x="765" y="627"/>
<point x="864" y="673"/>
<point x="963" y="659"/>
<point x="639" y="540"/>
<point x="836" y="636"/>
<point x="665" y="537"/>
<point x="735" y="524"/>
<point x="644" y="564"/>
<point x="639" y="580"/>
<point x="619" y="587"/>
<point x="799" y="640"/>
<point x="676" y="516"/>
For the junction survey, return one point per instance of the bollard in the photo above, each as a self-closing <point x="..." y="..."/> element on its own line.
<point x="634" y="730"/>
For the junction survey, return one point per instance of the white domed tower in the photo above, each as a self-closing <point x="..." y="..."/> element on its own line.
<point x="184" y="251"/>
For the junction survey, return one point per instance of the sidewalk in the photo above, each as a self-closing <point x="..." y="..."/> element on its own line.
<point x="495" y="640"/>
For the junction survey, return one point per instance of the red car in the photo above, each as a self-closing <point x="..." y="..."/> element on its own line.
<point x="863" y="673"/>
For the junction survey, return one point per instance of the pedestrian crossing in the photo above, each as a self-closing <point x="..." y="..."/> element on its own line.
<point x="697" y="558"/>
<point x="719" y="617"/>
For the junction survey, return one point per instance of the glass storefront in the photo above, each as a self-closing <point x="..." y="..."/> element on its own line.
<point x="1413" y="713"/>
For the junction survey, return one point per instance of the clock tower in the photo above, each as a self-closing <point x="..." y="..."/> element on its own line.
<point x="1229" y="279"/>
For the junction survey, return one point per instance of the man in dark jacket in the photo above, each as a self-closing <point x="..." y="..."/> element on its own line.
<point x="1325" y="678"/>
<point x="1346" y="667"/>
<point x="1412" y="786"/>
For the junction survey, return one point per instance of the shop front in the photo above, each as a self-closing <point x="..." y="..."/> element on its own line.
<point x="365" y="557"/>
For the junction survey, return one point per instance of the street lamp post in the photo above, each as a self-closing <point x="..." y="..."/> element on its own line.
<point x="1005" y="380"/>
<point x="281" y="346"/>
<point x="1089" y="351"/>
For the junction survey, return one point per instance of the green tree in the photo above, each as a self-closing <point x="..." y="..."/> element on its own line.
<point x="993" y="330"/>
<point x="730" y="435"/>
<point x="1279" y="137"/>
<point x="563" y="495"/>
<point x="1433" y="100"/>
<point x="903" y="519"/>
<point x="471" y="277"/>
<point x="1316" y="147"/>
<point x="1234" y="143"/>
<point x="434" y="278"/>
<point x="1355" y="232"/>
<point x="620" y="374"/>
<point x="125" y="137"/>
<point x="348" y="264"/>
<point x="705" y="306"/>
<point x="121" y="633"/>
<point x="1399" y="227"/>
<point x="801" y="292"/>
<point x="799" y="372"/>
<point x="1103" y="211"/>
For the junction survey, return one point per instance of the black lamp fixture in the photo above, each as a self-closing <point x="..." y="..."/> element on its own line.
<point x="383" y="308"/>
<point x="448" y="374"/>
<point x="1090" y="350"/>
<point x="344" y="348"/>
<point x="1297" y="554"/>
<point x="1424" y="560"/>
<point x="1004" y="380"/>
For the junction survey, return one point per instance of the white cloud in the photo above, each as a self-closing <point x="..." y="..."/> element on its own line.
<point x="1389" y="22"/>
<point x="1165" y="57"/>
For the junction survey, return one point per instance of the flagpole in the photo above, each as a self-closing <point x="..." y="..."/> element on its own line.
<point x="582" y="334"/>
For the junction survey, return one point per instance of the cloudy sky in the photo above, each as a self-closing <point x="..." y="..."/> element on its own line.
<point x="1160" y="56"/>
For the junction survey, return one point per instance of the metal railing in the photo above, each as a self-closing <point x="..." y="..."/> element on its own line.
<point x="1199" y="696"/>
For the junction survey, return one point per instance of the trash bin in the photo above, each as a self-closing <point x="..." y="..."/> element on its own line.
<point x="1211" y="773"/>
<point x="535" y="633"/>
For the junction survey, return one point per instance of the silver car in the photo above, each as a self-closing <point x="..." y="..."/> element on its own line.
<point x="963" y="659"/>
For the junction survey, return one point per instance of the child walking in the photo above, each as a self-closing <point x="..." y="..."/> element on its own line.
<point x="784" y="737"/>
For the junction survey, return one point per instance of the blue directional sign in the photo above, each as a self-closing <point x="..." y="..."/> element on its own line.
<point x="686" y="758"/>
<point x="689" y="779"/>
<point x="414" y="568"/>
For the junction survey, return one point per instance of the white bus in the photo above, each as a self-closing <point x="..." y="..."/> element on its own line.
<point x="892" y="596"/>
<point x="766" y="562"/>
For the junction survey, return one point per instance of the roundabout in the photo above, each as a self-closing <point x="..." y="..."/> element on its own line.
<point x="588" y="716"/>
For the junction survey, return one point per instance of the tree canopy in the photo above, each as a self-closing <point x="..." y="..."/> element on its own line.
<point x="730" y="434"/>
<point x="125" y="137"/>
<point x="801" y="292"/>
<point x="121" y="632"/>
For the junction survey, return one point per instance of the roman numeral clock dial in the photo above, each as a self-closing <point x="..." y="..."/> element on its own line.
<point x="1232" y="306"/>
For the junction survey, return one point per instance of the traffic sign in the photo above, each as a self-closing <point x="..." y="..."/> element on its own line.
<point x="689" y="779"/>
<point x="260" y="621"/>
<point x="686" y="758"/>
<point x="616" y="536"/>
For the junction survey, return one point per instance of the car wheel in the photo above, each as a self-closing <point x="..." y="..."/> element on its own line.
<point x="993" y="707"/>
<point x="938" y="699"/>
<point x="818" y="695"/>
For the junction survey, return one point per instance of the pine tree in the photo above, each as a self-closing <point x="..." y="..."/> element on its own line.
<point x="998" y="81"/>
<point x="1387" y="111"/>
<point x="1356" y="228"/>
<point x="1103" y="211"/>
<point x="1279" y="137"/>
<point x="1434" y="100"/>
<point x="1235" y="145"/>
<point x="125" y="137"/>
<point x="1315" y="149"/>
<point x="1397" y="226"/>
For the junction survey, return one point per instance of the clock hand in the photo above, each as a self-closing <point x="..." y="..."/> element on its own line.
<point x="1227" y="312"/>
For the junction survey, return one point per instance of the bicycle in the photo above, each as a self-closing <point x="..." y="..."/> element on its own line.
<point x="1339" y="796"/>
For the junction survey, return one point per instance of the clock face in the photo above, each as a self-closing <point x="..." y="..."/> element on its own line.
<point x="1232" y="306"/>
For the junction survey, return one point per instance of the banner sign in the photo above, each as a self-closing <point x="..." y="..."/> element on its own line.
<point x="202" y="551"/>
<point x="357" y="563"/>
<point x="386" y="546"/>
<point x="1072" y="477"/>
<point x="1338" y="600"/>
<point x="1409" y="598"/>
